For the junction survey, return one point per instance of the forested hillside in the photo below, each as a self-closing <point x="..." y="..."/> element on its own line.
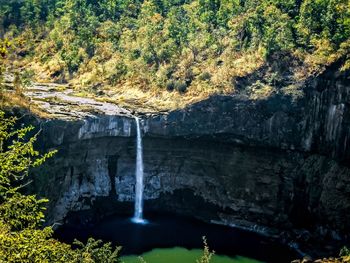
<point x="274" y="165"/>
<point x="171" y="53"/>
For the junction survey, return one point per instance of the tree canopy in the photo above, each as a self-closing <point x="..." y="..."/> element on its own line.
<point x="194" y="46"/>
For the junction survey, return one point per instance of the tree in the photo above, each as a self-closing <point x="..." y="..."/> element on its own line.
<point x="21" y="216"/>
<point x="324" y="19"/>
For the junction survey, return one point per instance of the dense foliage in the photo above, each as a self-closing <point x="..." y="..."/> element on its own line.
<point x="21" y="237"/>
<point x="195" y="46"/>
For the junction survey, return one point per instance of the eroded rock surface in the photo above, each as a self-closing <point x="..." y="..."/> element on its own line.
<point x="60" y="102"/>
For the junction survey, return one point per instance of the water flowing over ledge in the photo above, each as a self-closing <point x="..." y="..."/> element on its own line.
<point x="138" y="213"/>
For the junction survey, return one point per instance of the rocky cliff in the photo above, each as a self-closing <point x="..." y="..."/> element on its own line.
<point x="279" y="165"/>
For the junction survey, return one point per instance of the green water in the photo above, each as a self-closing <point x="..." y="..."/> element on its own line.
<point x="182" y="255"/>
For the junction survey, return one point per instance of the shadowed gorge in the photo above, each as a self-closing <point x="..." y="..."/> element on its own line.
<point x="175" y="129"/>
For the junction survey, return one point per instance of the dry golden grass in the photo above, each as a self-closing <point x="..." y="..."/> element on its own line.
<point x="295" y="91"/>
<point x="324" y="55"/>
<point x="142" y="90"/>
<point x="259" y="92"/>
<point x="9" y="100"/>
<point x="138" y="96"/>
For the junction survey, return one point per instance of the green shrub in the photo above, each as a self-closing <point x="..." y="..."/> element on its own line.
<point x="120" y="71"/>
<point x="205" y="76"/>
<point x="344" y="252"/>
<point x="170" y="85"/>
<point x="180" y="86"/>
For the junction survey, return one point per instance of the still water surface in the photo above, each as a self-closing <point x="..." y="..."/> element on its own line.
<point x="175" y="239"/>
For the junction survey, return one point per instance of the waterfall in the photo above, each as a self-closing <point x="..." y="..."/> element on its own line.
<point x="138" y="214"/>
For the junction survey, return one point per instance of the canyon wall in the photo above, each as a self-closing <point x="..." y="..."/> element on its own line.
<point x="280" y="165"/>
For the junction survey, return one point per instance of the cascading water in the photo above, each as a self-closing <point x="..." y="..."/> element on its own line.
<point x="138" y="214"/>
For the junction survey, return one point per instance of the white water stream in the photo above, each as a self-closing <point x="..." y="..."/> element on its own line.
<point x="138" y="214"/>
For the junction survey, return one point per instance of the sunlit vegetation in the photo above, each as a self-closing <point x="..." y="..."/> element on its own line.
<point x="11" y="89"/>
<point x="165" y="54"/>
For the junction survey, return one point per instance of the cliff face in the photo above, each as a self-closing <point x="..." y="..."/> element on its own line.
<point x="317" y="122"/>
<point x="279" y="165"/>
